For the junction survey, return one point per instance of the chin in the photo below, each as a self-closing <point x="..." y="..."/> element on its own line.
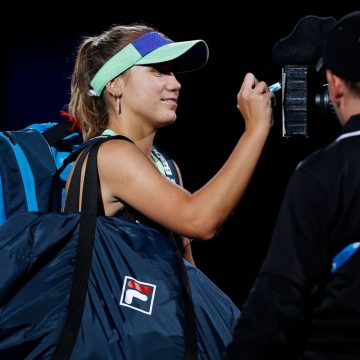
<point x="167" y="122"/>
<point x="171" y="118"/>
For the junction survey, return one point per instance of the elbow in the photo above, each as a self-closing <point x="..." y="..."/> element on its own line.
<point x="204" y="230"/>
<point x="207" y="235"/>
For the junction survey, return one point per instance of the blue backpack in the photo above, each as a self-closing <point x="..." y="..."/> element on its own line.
<point x="32" y="174"/>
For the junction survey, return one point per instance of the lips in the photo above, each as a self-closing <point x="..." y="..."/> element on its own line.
<point x="170" y="100"/>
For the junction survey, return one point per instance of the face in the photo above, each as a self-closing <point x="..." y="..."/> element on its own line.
<point x="151" y="92"/>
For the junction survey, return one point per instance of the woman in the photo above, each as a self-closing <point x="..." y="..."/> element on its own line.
<point x="124" y="83"/>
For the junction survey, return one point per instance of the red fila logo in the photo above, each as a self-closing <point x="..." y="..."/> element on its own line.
<point x="138" y="295"/>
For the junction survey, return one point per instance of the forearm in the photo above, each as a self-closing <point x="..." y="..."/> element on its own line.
<point x="218" y="198"/>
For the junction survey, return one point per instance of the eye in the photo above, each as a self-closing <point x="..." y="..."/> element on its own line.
<point x="162" y="68"/>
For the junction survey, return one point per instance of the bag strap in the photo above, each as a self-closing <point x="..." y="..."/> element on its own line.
<point x="190" y="328"/>
<point x="58" y="132"/>
<point x="73" y="195"/>
<point x="82" y="267"/>
<point x="83" y="259"/>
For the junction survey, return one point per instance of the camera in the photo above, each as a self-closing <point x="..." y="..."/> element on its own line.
<point x="305" y="96"/>
<point x="305" y="100"/>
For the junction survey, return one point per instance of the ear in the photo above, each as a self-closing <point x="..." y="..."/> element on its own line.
<point x="116" y="86"/>
<point x="336" y="87"/>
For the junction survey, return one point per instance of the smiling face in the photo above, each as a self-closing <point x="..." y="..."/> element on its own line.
<point x="150" y="92"/>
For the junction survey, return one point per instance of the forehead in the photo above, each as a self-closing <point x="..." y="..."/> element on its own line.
<point x="164" y="67"/>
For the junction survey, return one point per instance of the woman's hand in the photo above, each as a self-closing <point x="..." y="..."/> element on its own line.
<point x="255" y="104"/>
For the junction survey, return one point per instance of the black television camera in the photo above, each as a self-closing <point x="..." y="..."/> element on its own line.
<point x="305" y="96"/>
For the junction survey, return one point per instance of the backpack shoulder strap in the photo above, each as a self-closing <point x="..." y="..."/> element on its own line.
<point x="57" y="132"/>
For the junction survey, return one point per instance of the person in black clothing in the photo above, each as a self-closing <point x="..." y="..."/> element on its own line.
<point x="305" y="303"/>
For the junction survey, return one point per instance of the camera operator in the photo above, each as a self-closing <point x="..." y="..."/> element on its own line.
<point x="305" y="303"/>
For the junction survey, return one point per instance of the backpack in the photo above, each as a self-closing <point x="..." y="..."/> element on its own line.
<point x="35" y="164"/>
<point x="32" y="175"/>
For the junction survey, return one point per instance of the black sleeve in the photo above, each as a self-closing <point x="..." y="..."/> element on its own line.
<point x="271" y="323"/>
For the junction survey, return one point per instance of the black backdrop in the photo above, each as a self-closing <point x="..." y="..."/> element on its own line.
<point x="36" y="62"/>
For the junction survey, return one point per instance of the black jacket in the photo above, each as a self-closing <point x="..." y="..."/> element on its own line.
<point x="297" y="308"/>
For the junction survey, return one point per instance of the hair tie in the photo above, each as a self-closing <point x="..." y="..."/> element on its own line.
<point x="92" y="92"/>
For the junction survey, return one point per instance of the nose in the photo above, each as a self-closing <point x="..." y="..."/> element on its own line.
<point x="174" y="83"/>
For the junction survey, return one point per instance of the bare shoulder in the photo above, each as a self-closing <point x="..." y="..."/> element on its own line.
<point x="117" y="147"/>
<point x="120" y="154"/>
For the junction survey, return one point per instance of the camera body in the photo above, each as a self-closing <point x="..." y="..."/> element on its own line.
<point x="305" y="100"/>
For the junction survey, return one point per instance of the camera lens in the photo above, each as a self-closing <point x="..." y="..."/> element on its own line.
<point x="323" y="103"/>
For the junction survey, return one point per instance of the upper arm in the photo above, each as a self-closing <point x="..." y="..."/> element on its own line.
<point x="127" y="175"/>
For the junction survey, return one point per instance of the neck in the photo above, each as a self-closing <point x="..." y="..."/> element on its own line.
<point x="350" y="108"/>
<point x="143" y="142"/>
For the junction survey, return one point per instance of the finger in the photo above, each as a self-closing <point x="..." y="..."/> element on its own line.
<point x="271" y="99"/>
<point x="261" y="87"/>
<point x="249" y="82"/>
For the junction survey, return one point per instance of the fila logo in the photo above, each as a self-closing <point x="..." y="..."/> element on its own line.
<point x="138" y="295"/>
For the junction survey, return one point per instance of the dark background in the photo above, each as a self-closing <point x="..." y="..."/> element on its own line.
<point x="36" y="62"/>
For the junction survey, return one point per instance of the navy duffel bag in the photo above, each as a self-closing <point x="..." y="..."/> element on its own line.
<point x="81" y="286"/>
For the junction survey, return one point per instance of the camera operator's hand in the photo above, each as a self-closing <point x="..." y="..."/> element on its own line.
<point x="255" y="104"/>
